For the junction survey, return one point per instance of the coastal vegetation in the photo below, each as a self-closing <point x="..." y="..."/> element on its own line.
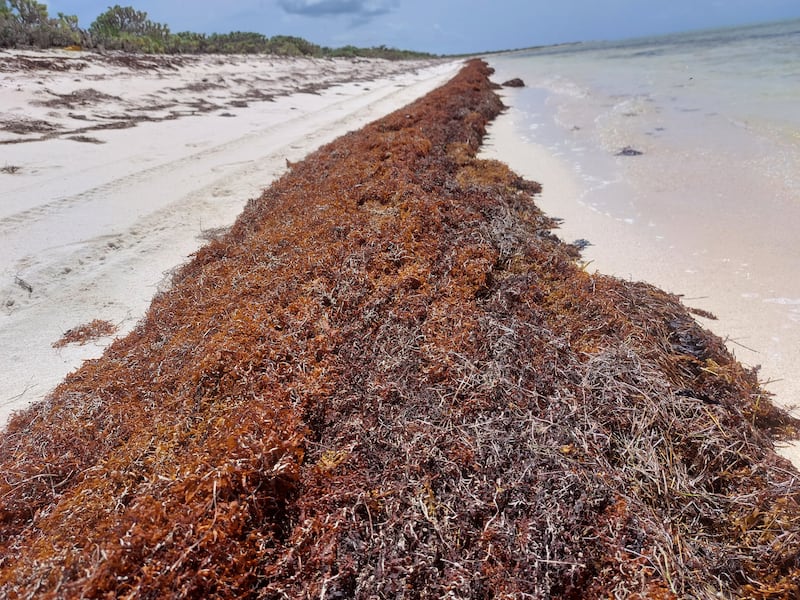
<point x="27" y="23"/>
<point x="390" y="379"/>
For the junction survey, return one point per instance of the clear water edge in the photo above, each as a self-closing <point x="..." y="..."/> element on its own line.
<point x="711" y="209"/>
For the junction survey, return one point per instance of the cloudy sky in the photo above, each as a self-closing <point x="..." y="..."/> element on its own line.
<point x="445" y="26"/>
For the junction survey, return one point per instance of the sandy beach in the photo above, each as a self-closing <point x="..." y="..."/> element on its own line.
<point x="390" y="378"/>
<point x="114" y="169"/>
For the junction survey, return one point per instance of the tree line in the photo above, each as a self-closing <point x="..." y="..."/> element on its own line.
<point x="27" y="23"/>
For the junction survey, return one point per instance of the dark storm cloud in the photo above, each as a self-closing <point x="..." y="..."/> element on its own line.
<point x="360" y="9"/>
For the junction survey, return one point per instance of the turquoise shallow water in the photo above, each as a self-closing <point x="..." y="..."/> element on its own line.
<point x="739" y="73"/>
<point x="710" y="208"/>
<point x="726" y="90"/>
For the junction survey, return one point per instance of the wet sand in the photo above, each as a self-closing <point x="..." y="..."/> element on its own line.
<point x="735" y="259"/>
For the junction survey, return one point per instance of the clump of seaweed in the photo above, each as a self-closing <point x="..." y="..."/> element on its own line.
<point x="515" y="82"/>
<point x="86" y="139"/>
<point x="22" y="125"/>
<point x="82" y="97"/>
<point x="88" y="332"/>
<point x="391" y="380"/>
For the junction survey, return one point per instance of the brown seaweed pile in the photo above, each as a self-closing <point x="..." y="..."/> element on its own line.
<point x="390" y="380"/>
<point x="86" y="333"/>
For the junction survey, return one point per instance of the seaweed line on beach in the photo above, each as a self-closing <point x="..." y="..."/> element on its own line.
<point x="390" y="379"/>
<point x="183" y="92"/>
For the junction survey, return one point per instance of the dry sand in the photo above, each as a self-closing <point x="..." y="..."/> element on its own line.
<point x="705" y="258"/>
<point x="113" y="170"/>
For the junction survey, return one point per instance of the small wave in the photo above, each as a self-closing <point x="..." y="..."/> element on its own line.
<point x="783" y="301"/>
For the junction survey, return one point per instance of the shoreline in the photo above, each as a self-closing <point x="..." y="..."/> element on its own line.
<point x="697" y="260"/>
<point x="94" y="230"/>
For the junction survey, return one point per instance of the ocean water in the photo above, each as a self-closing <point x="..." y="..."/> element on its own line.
<point x="685" y="155"/>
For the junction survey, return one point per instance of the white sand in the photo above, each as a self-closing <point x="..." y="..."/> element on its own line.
<point x="91" y="229"/>
<point x="758" y="333"/>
